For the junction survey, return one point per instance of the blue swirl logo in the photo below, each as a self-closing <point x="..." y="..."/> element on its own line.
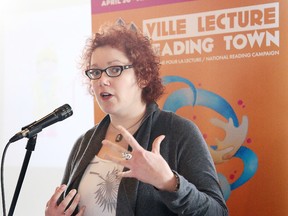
<point x="235" y="133"/>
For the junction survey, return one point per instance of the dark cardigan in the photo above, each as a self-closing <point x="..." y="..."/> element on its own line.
<point x="185" y="151"/>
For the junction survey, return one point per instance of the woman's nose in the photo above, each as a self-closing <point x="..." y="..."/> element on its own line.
<point x="104" y="80"/>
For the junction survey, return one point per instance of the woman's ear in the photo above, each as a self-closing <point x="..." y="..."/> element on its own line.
<point x="143" y="83"/>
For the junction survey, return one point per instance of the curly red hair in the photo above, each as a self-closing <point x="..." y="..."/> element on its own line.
<point x="138" y="50"/>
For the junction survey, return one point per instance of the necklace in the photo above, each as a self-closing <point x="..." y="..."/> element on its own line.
<point x="119" y="136"/>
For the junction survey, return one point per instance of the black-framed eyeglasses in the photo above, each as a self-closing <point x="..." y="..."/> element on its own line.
<point x="112" y="71"/>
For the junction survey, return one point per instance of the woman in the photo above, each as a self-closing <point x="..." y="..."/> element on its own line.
<point x="138" y="160"/>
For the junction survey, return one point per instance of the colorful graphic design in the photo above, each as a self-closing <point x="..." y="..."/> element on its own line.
<point x="225" y="67"/>
<point x="231" y="145"/>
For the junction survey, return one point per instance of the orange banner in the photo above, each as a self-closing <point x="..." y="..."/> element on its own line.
<point x="224" y="64"/>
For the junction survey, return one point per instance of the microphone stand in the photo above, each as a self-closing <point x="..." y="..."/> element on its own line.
<point x="29" y="148"/>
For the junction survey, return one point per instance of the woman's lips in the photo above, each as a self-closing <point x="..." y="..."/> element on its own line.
<point x="105" y="95"/>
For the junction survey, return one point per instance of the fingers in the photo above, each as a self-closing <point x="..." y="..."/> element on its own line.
<point x="117" y="160"/>
<point x="67" y="200"/>
<point x="132" y="142"/>
<point x="156" y="144"/>
<point x="56" y="195"/>
<point x="119" y="150"/>
<point x="114" y="147"/>
<point x="129" y="138"/>
<point x="118" y="157"/>
<point x="126" y="174"/>
<point x="53" y="209"/>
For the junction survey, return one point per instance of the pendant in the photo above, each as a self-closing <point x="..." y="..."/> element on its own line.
<point x="118" y="137"/>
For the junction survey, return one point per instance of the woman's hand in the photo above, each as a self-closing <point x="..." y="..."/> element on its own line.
<point x="52" y="209"/>
<point x="148" y="167"/>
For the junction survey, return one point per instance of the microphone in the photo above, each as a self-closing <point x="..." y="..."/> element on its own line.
<point x="30" y="130"/>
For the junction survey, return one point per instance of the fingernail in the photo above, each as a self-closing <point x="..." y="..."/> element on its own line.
<point x="63" y="186"/>
<point x="73" y="191"/>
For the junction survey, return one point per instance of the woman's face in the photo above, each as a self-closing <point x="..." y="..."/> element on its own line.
<point x="115" y="95"/>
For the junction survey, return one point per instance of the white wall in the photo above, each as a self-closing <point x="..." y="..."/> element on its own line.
<point x="40" y="48"/>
